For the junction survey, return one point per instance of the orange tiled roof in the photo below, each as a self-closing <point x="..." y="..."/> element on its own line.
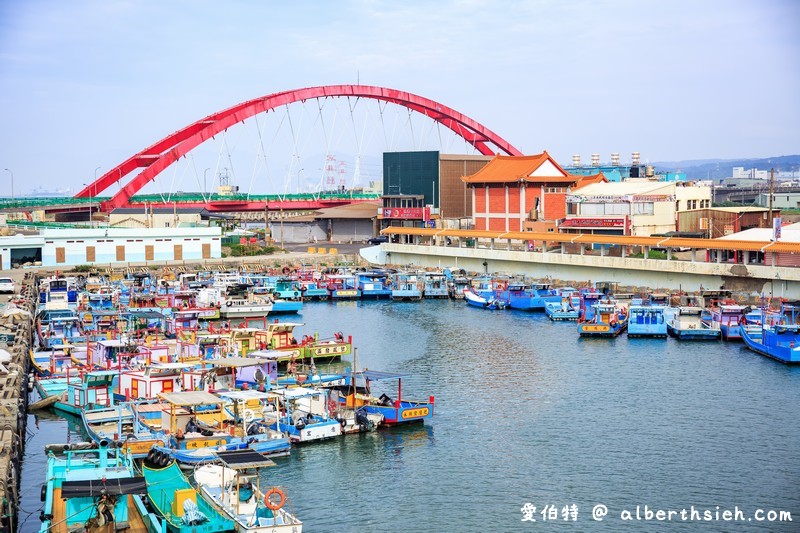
<point x="588" y="180"/>
<point x="512" y="169"/>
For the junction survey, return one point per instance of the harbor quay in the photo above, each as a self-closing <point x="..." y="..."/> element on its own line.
<point x="673" y="275"/>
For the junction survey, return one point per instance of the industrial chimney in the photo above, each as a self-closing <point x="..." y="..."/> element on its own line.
<point x="615" y="159"/>
<point x="595" y="160"/>
<point x="635" y="159"/>
<point x="576" y="160"/>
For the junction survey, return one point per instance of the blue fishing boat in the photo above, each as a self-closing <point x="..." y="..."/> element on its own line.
<point x="343" y="287"/>
<point x="118" y="423"/>
<point x="607" y="319"/>
<point x="406" y="287"/>
<point x="434" y="285"/>
<point x="180" y="505"/>
<point x="780" y="334"/>
<point x="397" y="410"/>
<point x="646" y="318"/>
<point x="301" y="418"/>
<point x="288" y="289"/>
<point x="314" y="291"/>
<point x="281" y="306"/>
<point x="525" y="297"/>
<point x="374" y="285"/>
<point x="92" y="487"/>
<point x="196" y="424"/>
<point x="567" y="308"/>
<point x="491" y="303"/>
<point x="686" y="322"/>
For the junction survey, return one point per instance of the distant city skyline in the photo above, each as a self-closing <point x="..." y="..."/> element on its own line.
<point x="87" y="84"/>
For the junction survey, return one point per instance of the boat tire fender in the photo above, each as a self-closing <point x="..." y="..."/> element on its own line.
<point x="44" y="492"/>
<point x="300" y="423"/>
<point x="151" y="455"/>
<point x="274" y="505"/>
<point x="165" y="459"/>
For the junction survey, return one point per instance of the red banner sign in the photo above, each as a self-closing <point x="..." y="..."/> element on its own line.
<point x="594" y="223"/>
<point x="404" y="212"/>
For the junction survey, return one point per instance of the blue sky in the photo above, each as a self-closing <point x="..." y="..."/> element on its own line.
<point x="89" y="83"/>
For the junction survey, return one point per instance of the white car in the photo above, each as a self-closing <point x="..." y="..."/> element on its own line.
<point x="7" y="285"/>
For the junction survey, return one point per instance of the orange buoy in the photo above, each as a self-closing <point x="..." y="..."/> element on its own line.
<point x="271" y="505"/>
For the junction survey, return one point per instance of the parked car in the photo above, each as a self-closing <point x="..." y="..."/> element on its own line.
<point x="7" y="285"/>
<point x="379" y="239"/>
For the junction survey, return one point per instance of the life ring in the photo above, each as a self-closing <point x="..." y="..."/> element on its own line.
<point x="286" y="270"/>
<point x="274" y="506"/>
<point x="249" y="415"/>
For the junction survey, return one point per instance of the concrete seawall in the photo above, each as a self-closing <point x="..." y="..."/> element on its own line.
<point x="14" y="381"/>
<point x="656" y="273"/>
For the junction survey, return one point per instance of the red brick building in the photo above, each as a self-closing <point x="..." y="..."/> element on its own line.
<point x="518" y="193"/>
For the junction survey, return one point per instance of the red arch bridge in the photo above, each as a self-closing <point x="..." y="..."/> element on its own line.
<point x="156" y="158"/>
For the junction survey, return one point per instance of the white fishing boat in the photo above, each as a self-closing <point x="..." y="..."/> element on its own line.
<point x="235" y="489"/>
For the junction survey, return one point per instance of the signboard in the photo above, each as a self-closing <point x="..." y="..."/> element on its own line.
<point x="418" y="412"/>
<point x="404" y="212"/>
<point x="594" y="223"/>
<point x="621" y="199"/>
<point x="776" y="228"/>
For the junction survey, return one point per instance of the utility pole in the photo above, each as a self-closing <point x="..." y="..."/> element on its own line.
<point x="771" y="182"/>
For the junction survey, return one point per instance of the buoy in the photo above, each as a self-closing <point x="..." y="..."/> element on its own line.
<point x="274" y="506"/>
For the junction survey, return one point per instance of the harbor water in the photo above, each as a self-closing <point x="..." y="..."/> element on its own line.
<point x="530" y="415"/>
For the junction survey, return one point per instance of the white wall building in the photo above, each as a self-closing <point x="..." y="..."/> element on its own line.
<point x="632" y="207"/>
<point x="69" y="247"/>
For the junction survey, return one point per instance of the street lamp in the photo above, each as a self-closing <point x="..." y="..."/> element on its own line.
<point x="95" y="173"/>
<point x="12" y="182"/>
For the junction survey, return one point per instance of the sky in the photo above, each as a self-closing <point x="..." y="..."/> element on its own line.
<point x="86" y="84"/>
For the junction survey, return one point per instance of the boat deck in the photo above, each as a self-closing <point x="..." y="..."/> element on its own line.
<point x="59" y="525"/>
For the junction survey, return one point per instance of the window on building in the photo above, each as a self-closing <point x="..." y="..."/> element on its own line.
<point x="643" y="208"/>
<point x="166" y="224"/>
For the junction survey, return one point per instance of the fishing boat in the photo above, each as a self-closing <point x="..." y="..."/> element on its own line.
<point x="567" y="308"/>
<point x="434" y="285"/>
<point x="118" y="423"/>
<point x="780" y="335"/>
<point x="397" y="410"/>
<point x="727" y="317"/>
<point x="374" y="285"/>
<point x="305" y="415"/>
<point x="343" y="287"/>
<point x="196" y="425"/>
<point x="314" y="291"/>
<point x="234" y="487"/>
<point x="241" y="307"/>
<point x="474" y="299"/>
<point x="525" y="297"/>
<point x="608" y="319"/>
<point x="179" y="504"/>
<point x="646" y="318"/>
<point x="685" y="322"/>
<point x="405" y="287"/>
<point x="92" y="487"/>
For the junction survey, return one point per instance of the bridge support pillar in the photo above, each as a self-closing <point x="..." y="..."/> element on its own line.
<point x="563" y="248"/>
<point x="669" y="254"/>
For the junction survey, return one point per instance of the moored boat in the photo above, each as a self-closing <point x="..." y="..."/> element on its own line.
<point x="179" y="504"/>
<point x="235" y="489"/>
<point x="476" y="300"/>
<point x="685" y="323"/>
<point x="608" y="319"/>
<point x="92" y="487"/>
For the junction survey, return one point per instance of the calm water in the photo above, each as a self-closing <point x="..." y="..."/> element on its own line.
<point x="527" y="412"/>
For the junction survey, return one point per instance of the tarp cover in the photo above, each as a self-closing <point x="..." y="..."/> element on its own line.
<point x="97" y="487"/>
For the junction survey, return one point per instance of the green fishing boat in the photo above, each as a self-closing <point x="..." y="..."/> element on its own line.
<point x="179" y="503"/>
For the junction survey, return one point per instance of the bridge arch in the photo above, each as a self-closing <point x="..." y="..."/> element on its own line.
<point x="163" y="153"/>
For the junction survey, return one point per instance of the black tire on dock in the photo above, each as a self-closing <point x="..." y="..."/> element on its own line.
<point x="44" y="492"/>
